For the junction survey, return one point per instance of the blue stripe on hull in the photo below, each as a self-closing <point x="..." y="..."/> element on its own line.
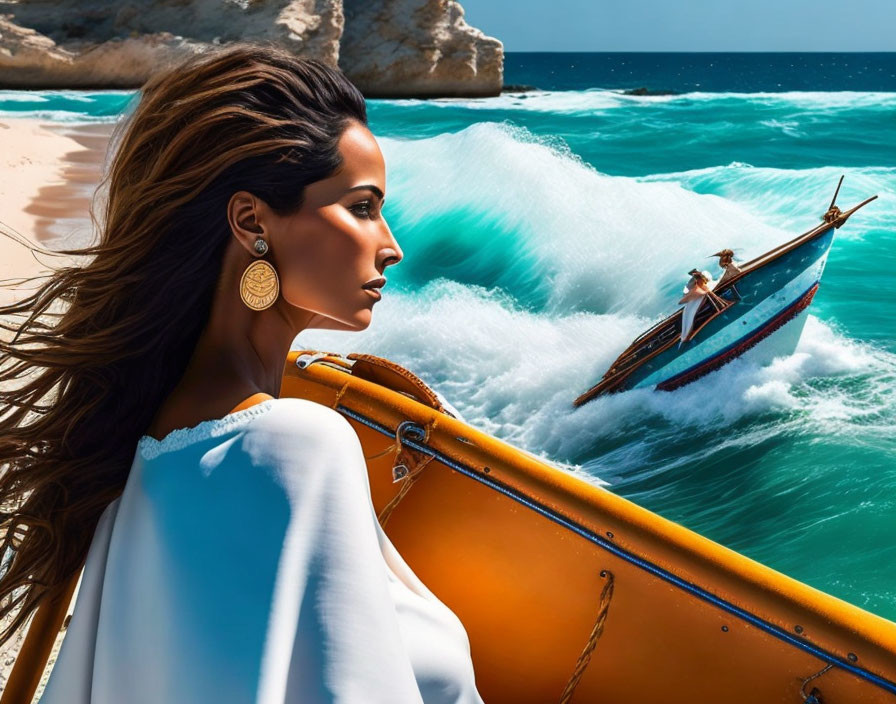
<point x="761" y="301"/>
<point x="645" y="564"/>
<point x="790" y="312"/>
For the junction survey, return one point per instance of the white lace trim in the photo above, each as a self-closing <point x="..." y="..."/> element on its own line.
<point x="179" y="438"/>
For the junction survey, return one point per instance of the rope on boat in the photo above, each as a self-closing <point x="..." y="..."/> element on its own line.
<point x="406" y="466"/>
<point x="339" y="395"/>
<point x="605" y="597"/>
<point x="407" y="469"/>
<point x="813" y="696"/>
<point x="409" y="479"/>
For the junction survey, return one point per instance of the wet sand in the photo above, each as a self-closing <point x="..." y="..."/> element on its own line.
<point x="48" y="175"/>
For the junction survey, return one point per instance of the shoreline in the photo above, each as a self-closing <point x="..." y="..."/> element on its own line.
<point x="48" y="175"/>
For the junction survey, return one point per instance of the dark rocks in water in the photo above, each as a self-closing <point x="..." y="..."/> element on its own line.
<point x="517" y="88"/>
<point x="648" y="91"/>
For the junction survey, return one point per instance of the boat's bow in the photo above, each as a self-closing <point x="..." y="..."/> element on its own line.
<point x="770" y="291"/>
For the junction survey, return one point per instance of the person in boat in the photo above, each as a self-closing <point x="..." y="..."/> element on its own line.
<point x="230" y="548"/>
<point x="726" y="262"/>
<point x="698" y="288"/>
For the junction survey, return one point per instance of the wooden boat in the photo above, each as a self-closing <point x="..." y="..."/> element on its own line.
<point x="770" y="295"/>
<point x="534" y="560"/>
<point x="570" y="593"/>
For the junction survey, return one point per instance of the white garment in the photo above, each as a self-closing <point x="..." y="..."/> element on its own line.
<point x="730" y="272"/>
<point x="244" y="563"/>
<point x="688" y="314"/>
<point x="689" y="310"/>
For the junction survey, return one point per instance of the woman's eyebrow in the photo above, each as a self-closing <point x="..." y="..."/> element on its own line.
<point x="368" y="186"/>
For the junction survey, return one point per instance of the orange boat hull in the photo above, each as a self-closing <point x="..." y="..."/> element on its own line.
<point x="516" y="548"/>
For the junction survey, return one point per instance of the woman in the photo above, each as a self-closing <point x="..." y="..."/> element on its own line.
<point x="232" y="549"/>
<point x="726" y="262"/>
<point x="698" y="287"/>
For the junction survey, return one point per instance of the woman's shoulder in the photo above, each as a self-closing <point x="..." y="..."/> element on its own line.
<point x="296" y="436"/>
<point x="291" y="422"/>
<point x="284" y="420"/>
<point x="298" y="415"/>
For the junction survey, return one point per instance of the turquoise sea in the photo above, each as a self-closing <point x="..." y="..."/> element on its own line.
<point x="543" y="230"/>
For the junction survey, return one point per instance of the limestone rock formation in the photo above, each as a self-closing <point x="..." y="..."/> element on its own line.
<point x="413" y="47"/>
<point x="113" y="44"/>
<point x="418" y="47"/>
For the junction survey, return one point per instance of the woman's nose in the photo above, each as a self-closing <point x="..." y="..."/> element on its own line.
<point x="391" y="252"/>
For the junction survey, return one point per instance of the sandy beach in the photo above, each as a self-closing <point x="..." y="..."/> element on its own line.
<point x="48" y="173"/>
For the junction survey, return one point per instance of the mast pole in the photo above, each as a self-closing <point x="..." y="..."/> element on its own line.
<point x="834" y="199"/>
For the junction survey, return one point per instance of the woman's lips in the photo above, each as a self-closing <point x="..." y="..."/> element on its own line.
<point x="378" y="282"/>
<point x="374" y="292"/>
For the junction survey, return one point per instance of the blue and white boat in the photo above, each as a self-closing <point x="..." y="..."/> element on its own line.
<point x="769" y="298"/>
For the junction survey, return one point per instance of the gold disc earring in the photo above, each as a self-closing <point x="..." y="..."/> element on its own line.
<point x="259" y="285"/>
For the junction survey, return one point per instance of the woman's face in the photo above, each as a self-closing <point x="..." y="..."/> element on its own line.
<point x="338" y="240"/>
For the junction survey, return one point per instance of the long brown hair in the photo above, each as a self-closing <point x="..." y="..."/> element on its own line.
<point x="98" y="347"/>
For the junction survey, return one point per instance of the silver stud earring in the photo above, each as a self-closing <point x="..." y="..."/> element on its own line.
<point x="261" y="246"/>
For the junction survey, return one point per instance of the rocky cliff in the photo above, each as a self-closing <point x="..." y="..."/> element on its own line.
<point x="419" y="48"/>
<point x="415" y="47"/>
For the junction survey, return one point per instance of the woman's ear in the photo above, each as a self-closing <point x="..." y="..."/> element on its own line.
<point x="245" y="219"/>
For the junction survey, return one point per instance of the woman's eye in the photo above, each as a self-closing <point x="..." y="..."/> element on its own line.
<point x="362" y="209"/>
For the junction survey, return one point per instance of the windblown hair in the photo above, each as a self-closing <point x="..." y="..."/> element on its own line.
<point x="725" y="254"/>
<point x="98" y="346"/>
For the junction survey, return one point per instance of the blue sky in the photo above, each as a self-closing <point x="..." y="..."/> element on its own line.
<point x="687" y="25"/>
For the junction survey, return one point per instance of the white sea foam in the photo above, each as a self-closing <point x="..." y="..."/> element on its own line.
<point x="787" y="127"/>
<point x="86" y="102"/>
<point x="23" y="96"/>
<point x="536" y="100"/>
<point x="782" y="197"/>
<point x="67" y="117"/>
<point x="604" y="243"/>
<point x="600" y="99"/>
<point x="514" y="374"/>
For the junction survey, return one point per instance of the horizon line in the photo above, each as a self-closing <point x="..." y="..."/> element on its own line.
<point x="677" y="51"/>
